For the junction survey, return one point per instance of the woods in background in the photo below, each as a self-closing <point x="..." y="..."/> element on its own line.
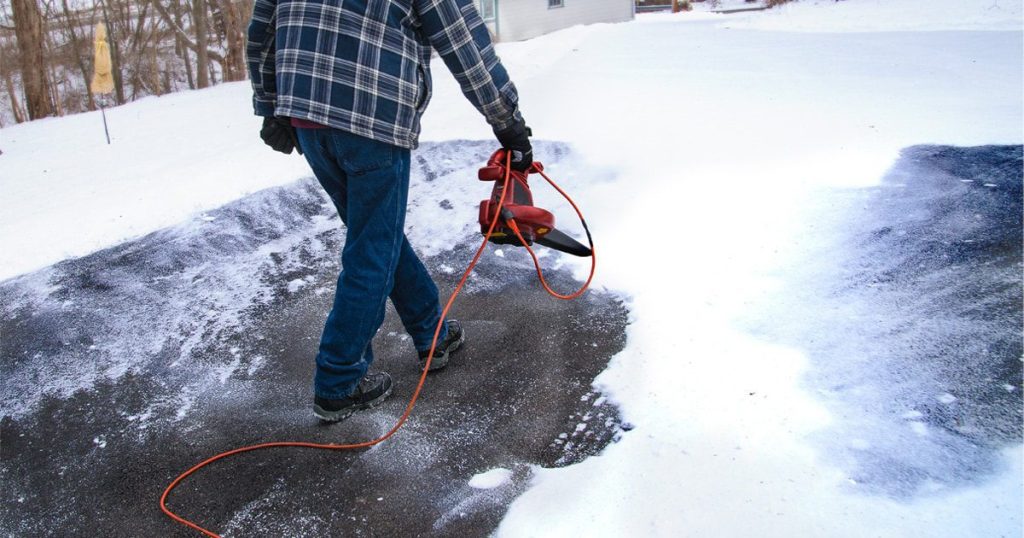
<point x="157" y="47"/>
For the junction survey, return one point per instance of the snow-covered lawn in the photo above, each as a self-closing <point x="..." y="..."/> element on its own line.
<point x="702" y="144"/>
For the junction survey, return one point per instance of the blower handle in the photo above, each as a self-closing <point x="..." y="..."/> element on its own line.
<point x="495" y="168"/>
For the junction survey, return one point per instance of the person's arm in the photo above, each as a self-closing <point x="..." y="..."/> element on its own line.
<point x="259" y="56"/>
<point x="456" y="31"/>
<point x="260" y="50"/>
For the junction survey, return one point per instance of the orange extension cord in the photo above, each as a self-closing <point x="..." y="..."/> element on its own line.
<point x="426" y="367"/>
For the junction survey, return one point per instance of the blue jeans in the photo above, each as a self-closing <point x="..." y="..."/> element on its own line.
<point x="368" y="181"/>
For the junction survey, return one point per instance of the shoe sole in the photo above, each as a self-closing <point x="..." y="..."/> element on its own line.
<point x="442" y="361"/>
<point x="341" y="414"/>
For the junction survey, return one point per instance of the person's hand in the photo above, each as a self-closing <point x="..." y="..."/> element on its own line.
<point x="516" y="139"/>
<point x="279" y="134"/>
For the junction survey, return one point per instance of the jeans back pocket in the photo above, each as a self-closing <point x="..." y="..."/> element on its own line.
<point x="359" y="155"/>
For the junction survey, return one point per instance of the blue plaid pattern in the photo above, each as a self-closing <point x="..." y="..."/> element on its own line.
<point x="363" y="66"/>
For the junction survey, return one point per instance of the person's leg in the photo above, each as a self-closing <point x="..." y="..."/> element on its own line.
<point x="414" y="294"/>
<point x="374" y="194"/>
<point x="416" y="300"/>
<point x="328" y="172"/>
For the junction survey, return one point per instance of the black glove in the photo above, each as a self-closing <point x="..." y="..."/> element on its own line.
<point x="279" y="134"/>
<point x="516" y="139"/>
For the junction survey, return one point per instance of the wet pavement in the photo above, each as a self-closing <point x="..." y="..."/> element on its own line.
<point x="126" y="367"/>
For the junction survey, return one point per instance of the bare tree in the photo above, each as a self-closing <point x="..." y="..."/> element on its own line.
<point x="28" y="27"/>
<point x="80" y="49"/>
<point x="200" y="22"/>
<point x="234" y="37"/>
<point x="19" y="113"/>
<point x="113" y="35"/>
<point x="156" y="46"/>
<point x="180" y="42"/>
<point x="175" y="20"/>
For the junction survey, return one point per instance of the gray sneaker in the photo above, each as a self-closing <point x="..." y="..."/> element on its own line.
<point x="451" y="342"/>
<point x="370" y="392"/>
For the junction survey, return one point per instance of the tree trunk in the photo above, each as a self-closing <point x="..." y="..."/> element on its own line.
<point x="200" y="23"/>
<point x="153" y="70"/>
<point x="175" y="24"/>
<point x="188" y="70"/>
<point x="19" y="113"/>
<point x="180" y="42"/>
<point x="55" y="85"/>
<point x="78" y="47"/>
<point x="234" y="60"/>
<point x="28" y="28"/>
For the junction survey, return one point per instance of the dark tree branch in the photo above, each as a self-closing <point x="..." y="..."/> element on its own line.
<point x="185" y="39"/>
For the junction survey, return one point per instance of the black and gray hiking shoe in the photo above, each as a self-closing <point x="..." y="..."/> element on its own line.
<point x="451" y="342"/>
<point x="371" y="391"/>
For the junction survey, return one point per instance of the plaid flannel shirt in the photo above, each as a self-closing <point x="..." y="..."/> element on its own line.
<point x="363" y="66"/>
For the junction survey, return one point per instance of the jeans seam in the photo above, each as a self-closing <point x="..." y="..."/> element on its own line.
<point x="399" y="233"/>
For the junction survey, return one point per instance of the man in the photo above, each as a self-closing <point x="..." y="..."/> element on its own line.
<point x="345" y="82"/>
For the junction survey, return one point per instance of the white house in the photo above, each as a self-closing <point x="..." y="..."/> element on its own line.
<point x="515" y="20"/>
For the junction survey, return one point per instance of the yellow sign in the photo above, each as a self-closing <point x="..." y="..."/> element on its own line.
<point x="102" y="77"/>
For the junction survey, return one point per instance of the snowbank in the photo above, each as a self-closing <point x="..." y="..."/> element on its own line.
<point x="886" y="16"/>
<point x="64" y="192"/>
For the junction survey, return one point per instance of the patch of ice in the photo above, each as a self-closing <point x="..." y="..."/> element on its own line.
<point x="256" y="364"/>
<point x="224" y="372"/>
<point x="141" y="418"/>
<point x="187" y="399"/>
<point x="491" y="479"/>
<point x="296" y="285"/>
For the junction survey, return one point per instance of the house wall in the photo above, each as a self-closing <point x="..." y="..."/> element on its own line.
<point x="491" y="22"/>
<point x="523" y="19"/>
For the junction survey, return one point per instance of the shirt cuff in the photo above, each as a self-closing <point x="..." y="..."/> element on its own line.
<point x="263" y="108"/>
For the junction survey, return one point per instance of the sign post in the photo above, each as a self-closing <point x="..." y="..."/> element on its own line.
<point x="102" y="77"/>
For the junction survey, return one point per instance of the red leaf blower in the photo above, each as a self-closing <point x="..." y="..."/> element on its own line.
<point x="534" y="224"/>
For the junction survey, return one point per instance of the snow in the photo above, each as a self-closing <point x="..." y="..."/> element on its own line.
<point x="887" y="15"/>
<point x="701" y="146"/>
<point x="171" y="158"/>
<point x="491" y="479"/>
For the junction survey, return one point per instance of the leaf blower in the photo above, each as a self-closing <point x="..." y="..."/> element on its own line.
<point x="520" y="222"/>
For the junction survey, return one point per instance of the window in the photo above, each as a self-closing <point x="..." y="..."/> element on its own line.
<point x="555" y="3"/>
<point x="486" y="9"/>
